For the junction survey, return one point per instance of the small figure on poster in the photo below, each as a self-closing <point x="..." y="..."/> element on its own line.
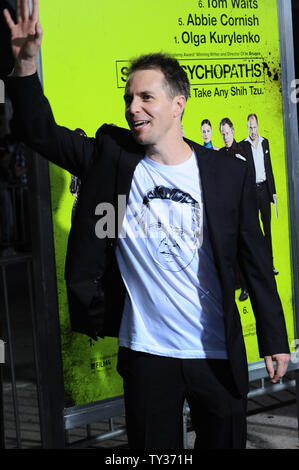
<point x="258" y="155"/>
<point x="206" y="132"/>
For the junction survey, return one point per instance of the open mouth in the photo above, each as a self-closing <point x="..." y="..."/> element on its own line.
<point x="139" y="124"/>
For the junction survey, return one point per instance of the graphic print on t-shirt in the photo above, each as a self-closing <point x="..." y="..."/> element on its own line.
<point x="172" y="224"/>
<point x="173" y="304"/>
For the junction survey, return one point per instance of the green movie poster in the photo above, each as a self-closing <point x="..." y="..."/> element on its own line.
<point x="230" y="51"/>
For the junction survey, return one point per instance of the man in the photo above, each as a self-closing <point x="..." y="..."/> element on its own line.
<point x="236" y="150"/>
<point x="179" y="331"/>
<point x="258" y="154"/>
<point x="227" y="132"/>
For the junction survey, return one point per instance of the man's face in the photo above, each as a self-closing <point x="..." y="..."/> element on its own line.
<point x="170" y="238"/>
<point x="206" y="132"/>
<point x="227" y="133"/>
<point x="253" y="129"/>
<point x="149" y="108"/>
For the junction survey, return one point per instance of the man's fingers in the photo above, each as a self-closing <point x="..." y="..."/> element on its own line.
<point x="39" y="31"/>
<point x="35" y="13"/>
<point x="25" y="9"/>
<point x="269" y="366"/>
<point x="282" y="361"/>
<point x="19" y="11"/>
<point x="8" y="19"/>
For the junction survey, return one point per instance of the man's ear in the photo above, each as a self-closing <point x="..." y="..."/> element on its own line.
<point x="179" y="105"/>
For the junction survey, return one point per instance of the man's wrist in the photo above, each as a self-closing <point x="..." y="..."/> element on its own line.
<point x="24" y="68"/>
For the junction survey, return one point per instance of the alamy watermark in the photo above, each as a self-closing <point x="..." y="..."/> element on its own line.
<point x="295" y="92"/>
<point x="168" y="222"/>
<point x="163" y="209"/>
<point x="2" y="351"/>
<point x="2" y="92"/>
<point x="295" y="353"/>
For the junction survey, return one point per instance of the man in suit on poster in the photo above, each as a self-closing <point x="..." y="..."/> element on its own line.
<point x="169" y="298"/>
<point x="235" y="149"/>
<point x="258" y="155"/>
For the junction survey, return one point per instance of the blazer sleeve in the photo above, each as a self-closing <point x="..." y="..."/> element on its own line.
<point x="256" y="264"/>
<point x="269" y="171"/>
<point x="35" y="125"/>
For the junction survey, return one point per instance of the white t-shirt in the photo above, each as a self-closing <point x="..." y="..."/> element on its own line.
<point x="173" y="305"/>
<point x="258" y="158"/>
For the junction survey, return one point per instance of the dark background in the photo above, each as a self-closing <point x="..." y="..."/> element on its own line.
<point x="6" y="59"/>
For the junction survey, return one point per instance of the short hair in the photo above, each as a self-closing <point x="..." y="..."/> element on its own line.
<point x="252" y="115"/>
<point x="206" y="121"/>
<point x="172" y="194"/>
<point x="226" y="121"/>
<point x="175" y="76"/>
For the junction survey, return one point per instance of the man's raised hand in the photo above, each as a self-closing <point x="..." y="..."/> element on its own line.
<point x="26" y="37"/>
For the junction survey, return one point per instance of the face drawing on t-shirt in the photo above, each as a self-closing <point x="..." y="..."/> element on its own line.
<point x="172" y="222"/>
<point x="170" y="249"/>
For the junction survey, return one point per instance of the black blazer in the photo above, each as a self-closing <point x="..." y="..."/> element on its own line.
<point x="267" y="162"/>
<point x="105" y="165"/>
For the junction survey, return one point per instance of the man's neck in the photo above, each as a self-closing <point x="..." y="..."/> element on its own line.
<point x="178" y="151"/>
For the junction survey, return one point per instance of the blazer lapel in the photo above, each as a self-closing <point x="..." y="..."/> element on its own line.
<point x="250" y="159"/>
<point x="209" y="179"/>
<point x="126" y="167"/>
<point x="209" y="183"/>
<point x="207" y="173"/>
<point x="128" y="160"/>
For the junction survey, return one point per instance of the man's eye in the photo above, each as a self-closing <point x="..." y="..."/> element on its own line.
<point x="146" y="97"/>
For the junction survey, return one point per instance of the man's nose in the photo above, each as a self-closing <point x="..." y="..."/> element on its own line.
<point x="134" y="106"/>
